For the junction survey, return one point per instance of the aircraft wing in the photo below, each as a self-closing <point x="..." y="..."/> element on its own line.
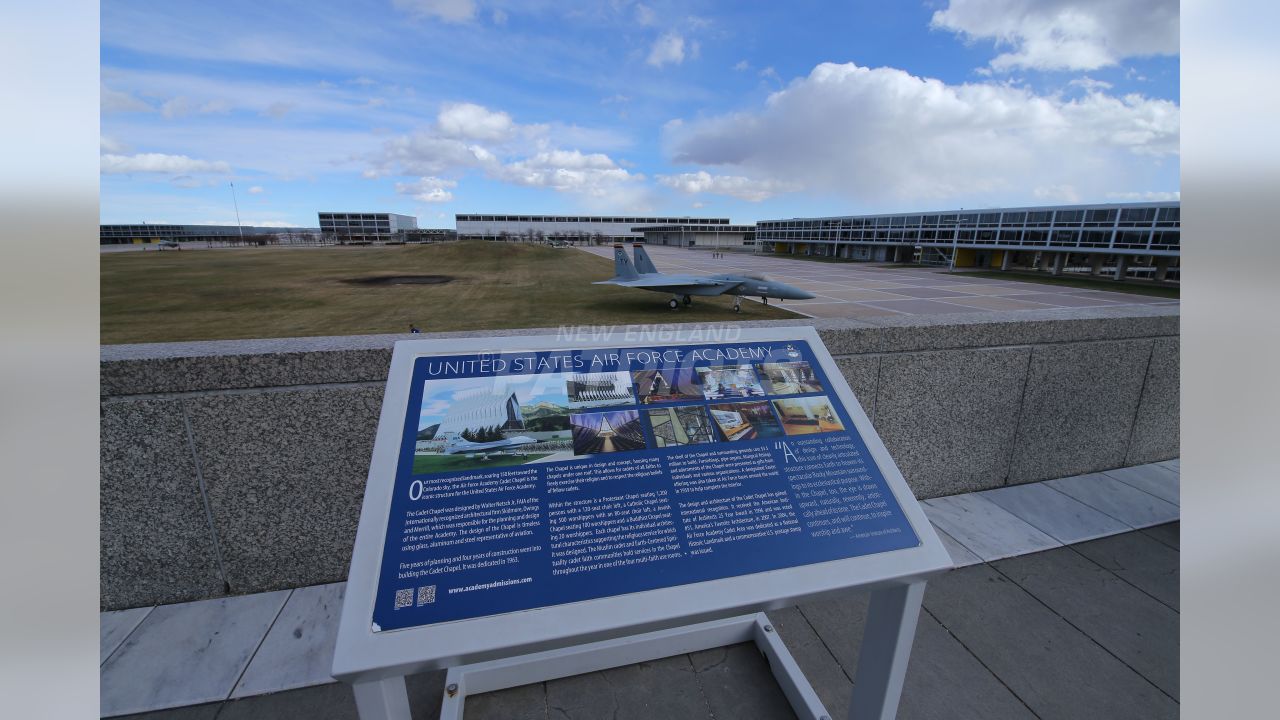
<point x="661" y="281"/>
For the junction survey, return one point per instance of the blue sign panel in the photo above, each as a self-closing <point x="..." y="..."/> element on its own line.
<point x="533" y="479"/>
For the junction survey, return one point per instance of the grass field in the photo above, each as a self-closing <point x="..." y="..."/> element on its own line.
<point x="1132" y="287"/>
<point x="298" y="292"/>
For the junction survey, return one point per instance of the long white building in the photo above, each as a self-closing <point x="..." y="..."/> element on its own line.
<point x="610" y="228"/>
<point x="1119" y="236"/>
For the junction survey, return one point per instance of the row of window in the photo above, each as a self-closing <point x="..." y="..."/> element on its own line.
<point x="384" y="217"/>
<point x="571" y="219"/>
<point x="1073" y="238"/>
<point x="1109" y="217"/>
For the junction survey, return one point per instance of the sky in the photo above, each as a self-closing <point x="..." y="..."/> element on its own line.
<point x="745" y="110"/>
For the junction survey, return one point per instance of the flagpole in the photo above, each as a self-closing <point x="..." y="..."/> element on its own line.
<point x="237" y="205"/>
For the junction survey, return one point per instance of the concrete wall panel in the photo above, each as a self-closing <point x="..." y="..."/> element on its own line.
<point x="1079" y="407"/>
<point x="283" y="430"/>
<point x="862" y="373"/>
<point x="154" y="539"/>
<point x="1155" y="431"/>
<point x="949" y="418"/>
<point x="285" y="473"/>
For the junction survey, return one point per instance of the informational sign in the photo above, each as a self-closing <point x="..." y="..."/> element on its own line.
<point x="528" y="479"/>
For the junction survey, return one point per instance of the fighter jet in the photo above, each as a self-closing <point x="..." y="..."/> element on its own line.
<point x="645" y="276"/>
<point x="457" y="445"/>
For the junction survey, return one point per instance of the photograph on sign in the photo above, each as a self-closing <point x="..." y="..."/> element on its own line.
<point x="531" y="479"/>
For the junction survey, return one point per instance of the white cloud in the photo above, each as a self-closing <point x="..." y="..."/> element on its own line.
<point x="1065" y="34"/>
<point x="471" y="121"/>
<point x="499" y="17"/>
<point x="883" y="133"/>
<point x="428" y="189"/>
<point x="737" y="186"/>
<point x="770" y="74"/>
<point x="668" y="48"/>
<point x="216" y="106"/>
<point x="277" y="110"/>
<point x="160" y="163"/>
<point x="472" y="137"/>
<point x="426" y="153"/>
<point x="256" y="189"/>
<point x="453" y="11"/>
<point x="111" y="145"/>
<point x="1149" y="196"/>
<point x="1089" y="84"/>
<point x="185" y="181"/>
<point x="176" y="107"/>
<point x="119" y="101"/>
<point x="644" y="15"/>
<point x="566" y="171"/>
<point x="742" y="65"/>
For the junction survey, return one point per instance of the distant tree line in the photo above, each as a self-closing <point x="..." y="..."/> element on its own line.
<point x="484" y="434"/>
<point x="556" y="238"/>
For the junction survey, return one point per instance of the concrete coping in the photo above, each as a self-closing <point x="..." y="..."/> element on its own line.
<point x="158" y="368"/>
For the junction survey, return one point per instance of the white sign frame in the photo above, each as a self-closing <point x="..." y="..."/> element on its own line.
<point x="366" y="658"/>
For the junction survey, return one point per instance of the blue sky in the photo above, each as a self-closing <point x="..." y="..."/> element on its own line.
<point x="743" y="110"/>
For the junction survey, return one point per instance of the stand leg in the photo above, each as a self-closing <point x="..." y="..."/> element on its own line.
<point x="382" y="699"/>
<point x="886" y="648"/>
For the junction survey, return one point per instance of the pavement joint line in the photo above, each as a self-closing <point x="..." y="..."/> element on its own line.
<point x="702" y="690"/>
<point x="1121" y="579"/>
<point x="1081" y="630"/>
<point x="125" y="639"/>
<point x="258" y="647"/>
<point x="825" y="645"/>
<point x="925" y="609"/>
<point x="1104" y="512"/>
<point x="1122" y="481"/>
<point x="1162" y="542"/>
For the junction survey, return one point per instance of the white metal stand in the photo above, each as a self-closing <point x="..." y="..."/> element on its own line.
<point x="882" y="662"/>
<point x="886" y="648"/>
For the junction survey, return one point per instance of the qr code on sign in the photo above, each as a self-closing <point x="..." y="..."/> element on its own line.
<point x="404" y="598"/>
<point x="426" y="594"/>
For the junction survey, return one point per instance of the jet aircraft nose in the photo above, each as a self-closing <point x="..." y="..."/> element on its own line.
<point x="787" y="292"/>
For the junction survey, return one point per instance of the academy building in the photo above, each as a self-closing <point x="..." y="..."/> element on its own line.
<point x="604" y="229"/>
<point x="1123" y="239"/>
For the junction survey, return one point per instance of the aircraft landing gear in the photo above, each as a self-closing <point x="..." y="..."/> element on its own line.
<point x="673" y="303"/>
<point x="688" y="300"/>
<point x="737" y="305"/>
<point x="764" y="299"/>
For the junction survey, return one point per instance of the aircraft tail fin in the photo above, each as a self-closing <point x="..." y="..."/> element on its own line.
<point x="622" y="267"/>
<point x="643" y="263"/>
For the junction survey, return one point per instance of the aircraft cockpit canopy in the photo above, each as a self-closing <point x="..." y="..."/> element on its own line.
<point x="756" y="276"/>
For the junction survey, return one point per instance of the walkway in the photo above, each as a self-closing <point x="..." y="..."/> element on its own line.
<point x="1065" y="605"/>
<point x="864" y="290"/>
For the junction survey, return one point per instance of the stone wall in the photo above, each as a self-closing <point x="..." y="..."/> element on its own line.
<point x="239" y="466"/>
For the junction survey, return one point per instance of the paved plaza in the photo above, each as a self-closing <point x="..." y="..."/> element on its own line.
<point x="864" y="290"/>
<point x="1064" y="604"/>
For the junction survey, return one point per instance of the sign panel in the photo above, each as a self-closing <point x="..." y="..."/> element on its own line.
<point x="538" y="478"/>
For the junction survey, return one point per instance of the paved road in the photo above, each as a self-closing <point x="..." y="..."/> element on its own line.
<point x="847" y="290"/>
